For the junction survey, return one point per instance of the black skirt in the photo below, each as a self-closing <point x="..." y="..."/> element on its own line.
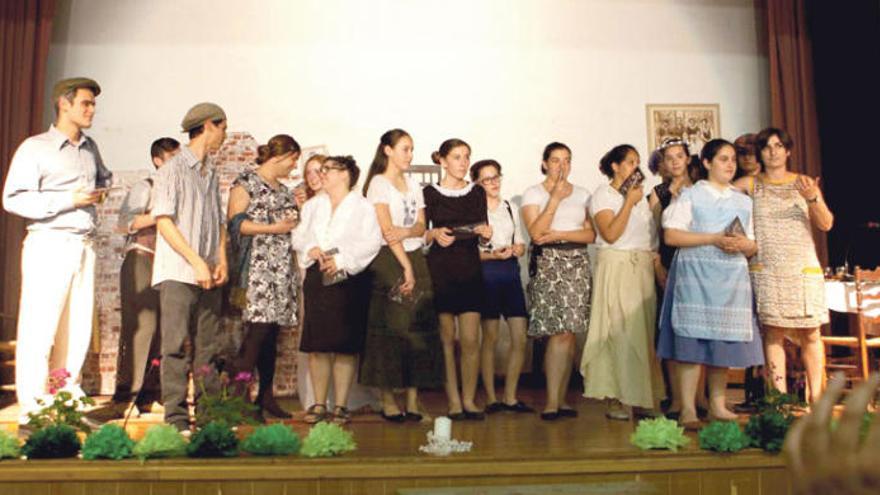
<point x="457" y="274"/>
<point x="335" y="316"/>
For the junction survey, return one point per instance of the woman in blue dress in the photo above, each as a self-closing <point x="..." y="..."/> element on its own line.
<point x="708" y="317"/>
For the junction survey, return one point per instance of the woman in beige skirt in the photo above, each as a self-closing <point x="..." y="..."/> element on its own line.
<point x="618" y="362"/>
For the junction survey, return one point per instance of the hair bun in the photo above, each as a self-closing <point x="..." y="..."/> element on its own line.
<point x="435" y="157"/>
<point x="263" y="153"/>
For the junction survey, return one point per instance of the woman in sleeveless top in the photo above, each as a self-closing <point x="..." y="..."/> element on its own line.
<point x="263" y="209"/>
<point x="788" y="280"/>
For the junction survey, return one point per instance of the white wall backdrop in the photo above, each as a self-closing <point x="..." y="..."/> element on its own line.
<point x="506" y="76"/>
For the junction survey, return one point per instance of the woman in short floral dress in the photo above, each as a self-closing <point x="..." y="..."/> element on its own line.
<point x="788" y="280"/>
<point x="555" y="214"/>
<point x="262" y="208"/>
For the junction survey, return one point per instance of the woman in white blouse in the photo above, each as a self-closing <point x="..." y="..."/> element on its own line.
<point x="403" y="349"/>
<point x="618" y="361"/>
<point x="555" y="214"/>
<point x="337" y="238"/>
<point x="504" y="290"/>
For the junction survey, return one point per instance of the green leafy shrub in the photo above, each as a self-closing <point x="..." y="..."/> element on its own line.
<point x="659" y="433"/>
<point x="723" y="436"/>
<point x="109" y="442"/>
<point x="327" y="440"/>
<point x="275" y="439"/>
<point x="160" y="441"/>
<point x="215" y="439"/>
<point x="52" y="442"/>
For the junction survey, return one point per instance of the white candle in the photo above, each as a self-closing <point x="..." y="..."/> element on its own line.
<point x="443" y="428"/>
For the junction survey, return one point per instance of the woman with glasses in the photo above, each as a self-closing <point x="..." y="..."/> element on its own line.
<point x="503" y="290"/>
<point x="402" y="349"/>
<point x="456" y="211"/>
<point x="555" y="214"/>
<point x="337" y="238"/>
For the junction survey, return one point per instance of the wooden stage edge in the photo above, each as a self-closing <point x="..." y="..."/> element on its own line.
<point x="589" y="454"/>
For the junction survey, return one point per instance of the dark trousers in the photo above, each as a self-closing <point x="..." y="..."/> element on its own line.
<point x="139" y="340"/>
<point x="188" y="311"/>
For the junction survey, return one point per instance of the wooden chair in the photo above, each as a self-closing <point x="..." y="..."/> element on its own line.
<point x="425" y="174"/>
<point x="860" y="343"/>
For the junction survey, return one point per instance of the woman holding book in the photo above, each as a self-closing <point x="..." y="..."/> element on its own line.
<point x="707" y="319"/>
<point x="618" y="361"/>
<point x="456" y="212"/>
<point x="402" y="350"/>
<point x="336" y="240"/>
<point x="504" y="291"/>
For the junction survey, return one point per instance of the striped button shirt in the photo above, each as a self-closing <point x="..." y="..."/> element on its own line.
<point x="187" y="191"/>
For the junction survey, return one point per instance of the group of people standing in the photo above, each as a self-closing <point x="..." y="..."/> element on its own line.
<point x="401" y="288"/>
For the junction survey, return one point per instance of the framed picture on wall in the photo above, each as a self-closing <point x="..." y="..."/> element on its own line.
<point x="694" y="123"/>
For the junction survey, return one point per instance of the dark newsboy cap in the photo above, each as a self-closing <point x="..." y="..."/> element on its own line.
<point x="65" y="86"/>
<point x="198" y="114"/>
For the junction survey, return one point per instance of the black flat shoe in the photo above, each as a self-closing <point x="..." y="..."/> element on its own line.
<point x="495" y="407"/>
<point x="414" y="417"/>
<point x="459" y="416"/>
<point x="566" y="412"/>
<point x="518" y="407"/>
<point x="393" y="418"/>
<point x="474" y="415"/>
<point x="550" y="415"/>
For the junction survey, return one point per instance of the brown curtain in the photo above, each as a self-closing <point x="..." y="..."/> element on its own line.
<point x="792" y="97"/>
<point x="25" y="32"/>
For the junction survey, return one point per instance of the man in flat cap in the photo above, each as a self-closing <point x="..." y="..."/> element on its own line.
<point x="55" y="180"/>
<point x="190" y="261"/>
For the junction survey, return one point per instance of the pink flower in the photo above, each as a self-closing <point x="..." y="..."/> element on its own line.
<point x="155" y="362"/>
<point x="57" y="379"/>
<point x="244" y="376"/>
<point x="204" y="370"/>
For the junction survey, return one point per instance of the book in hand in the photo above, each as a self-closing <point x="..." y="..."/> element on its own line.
<point x="338" y="275"/>
<point x="735" y="228"/>
<point x="634" y="179"/>
<point x="467" y="231"/>
<point x="408" y="300"/>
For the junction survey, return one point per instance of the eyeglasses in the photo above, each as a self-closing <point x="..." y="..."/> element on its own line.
<point x="327" y="168"/>
<point x="495" y="179"/>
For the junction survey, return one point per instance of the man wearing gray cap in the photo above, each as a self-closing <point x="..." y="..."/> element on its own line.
<point x="190" y="261"/>
<point x="55" y="180"/>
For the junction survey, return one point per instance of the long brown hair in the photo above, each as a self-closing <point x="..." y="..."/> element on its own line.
<point x="380" y="159"/>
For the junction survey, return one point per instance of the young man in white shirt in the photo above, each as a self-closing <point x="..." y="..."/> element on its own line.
<point x="55" y="180"/>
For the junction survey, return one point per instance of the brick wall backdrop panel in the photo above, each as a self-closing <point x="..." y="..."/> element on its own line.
<point x="99" y="374"/>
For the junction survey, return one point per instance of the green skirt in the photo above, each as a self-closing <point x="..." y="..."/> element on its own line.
<point x="403" y="346"/>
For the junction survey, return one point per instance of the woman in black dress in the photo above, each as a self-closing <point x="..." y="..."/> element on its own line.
<point x="456" y="212"/>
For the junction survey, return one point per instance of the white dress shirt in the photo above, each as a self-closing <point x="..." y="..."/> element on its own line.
<point x="352" y="229"/>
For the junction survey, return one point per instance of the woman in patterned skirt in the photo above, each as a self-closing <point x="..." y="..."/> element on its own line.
<point x="619" y="363"/>
<point x="555" y="215"/>
<point x="788" y="279"/>
<point x="263" y="209"/>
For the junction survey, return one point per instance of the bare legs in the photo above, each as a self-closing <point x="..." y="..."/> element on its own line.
<point x="688" y="376"/>
<point x="515" y="359"/>
<point x="813" y="354"/>
<point x="558" y="360"/>
<point x="469" y="340"/>
<point x="341" y="366"/>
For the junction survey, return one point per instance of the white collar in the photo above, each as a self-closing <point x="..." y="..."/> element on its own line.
<point x="454" y="193"/>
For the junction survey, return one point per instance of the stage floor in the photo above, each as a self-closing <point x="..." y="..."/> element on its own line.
<point x="588" y="454"/>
